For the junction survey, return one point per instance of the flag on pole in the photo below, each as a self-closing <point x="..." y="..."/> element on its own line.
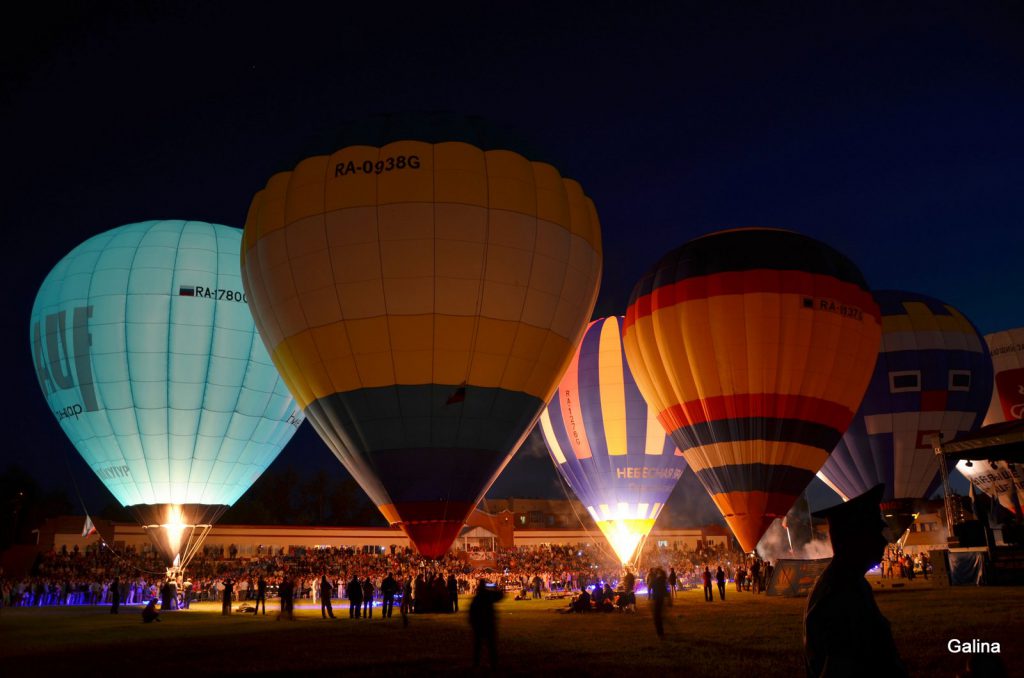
<point x="88" y="528"/>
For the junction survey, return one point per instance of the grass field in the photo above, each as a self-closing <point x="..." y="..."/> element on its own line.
<point x="746" y="635"/>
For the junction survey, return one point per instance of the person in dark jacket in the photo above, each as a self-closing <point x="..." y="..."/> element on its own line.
<point x="419" y="594"/>
<point x="845" y="634"/>
<point x="286" y="590"/>
<point x="229" y="588"/>
<point x="150" y="614"/>
<point x="368" y="598"/>
<point x="165" y="596"/>
<point x="354" y="591"/>
<point x="325" y="598"/>
<point x="481" y="619"/>
<point x="581" y="603"/>
<point x="720" y="578"/>
<point x="658" y="586"/>
<point x="261" y="596"/>
<point x="388" y="589"/>
<point x="406" y="607"/>
<point x="709" y="594"/>
<point x="629" y="584"/>
<point x="453" y="593"/>
<point x="115" y="595"/>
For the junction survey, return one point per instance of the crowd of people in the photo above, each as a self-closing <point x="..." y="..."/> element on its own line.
<point x="668" y="571"/>
<point x="84" y="577"/>
<point x="896" y="563"/>
<point x="74" y="577"/>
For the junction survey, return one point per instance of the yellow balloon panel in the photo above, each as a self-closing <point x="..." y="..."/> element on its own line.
<point x="460" y="174"/>
<point x="741" y="452"/>
<point x="407" y="266"/>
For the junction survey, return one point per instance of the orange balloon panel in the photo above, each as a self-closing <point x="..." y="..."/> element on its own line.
<point x="421" y="301"/>
<point x="755" y="346"/>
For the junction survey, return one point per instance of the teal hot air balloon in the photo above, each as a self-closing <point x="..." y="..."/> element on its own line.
<point x="147" y="355"/>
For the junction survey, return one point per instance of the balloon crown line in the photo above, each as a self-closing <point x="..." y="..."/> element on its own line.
<point x="432" y="127"/>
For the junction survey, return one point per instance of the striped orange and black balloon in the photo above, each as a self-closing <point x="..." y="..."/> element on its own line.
<point x="755" y="346"/>
<point x="421" y="294"/>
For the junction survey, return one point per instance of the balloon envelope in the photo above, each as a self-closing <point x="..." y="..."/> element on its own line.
<point x="933" y="375"/>
<point x="606" y="442"/>
<point x="997" y="478"/>
<point x="421" y="301"/>
<point x="147" y="354"/>
<point x="754" y="346"/>
<point x="1007" y="351"/>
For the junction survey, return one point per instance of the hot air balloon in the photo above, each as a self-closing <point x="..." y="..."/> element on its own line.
<point x="933" y="376"/>
<point x="147" y="354"/>
<point x="754" y="346"/>
<point x="421" y="296"/>
<point x="606" y="442"/>
<point x="997" y="478"/>
<point x="1007" y="351"/>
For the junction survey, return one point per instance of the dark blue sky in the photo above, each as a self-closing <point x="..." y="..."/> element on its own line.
<point x="893" y="134"/>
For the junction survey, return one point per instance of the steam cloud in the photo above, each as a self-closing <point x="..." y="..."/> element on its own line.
<point x="775" y="545"/>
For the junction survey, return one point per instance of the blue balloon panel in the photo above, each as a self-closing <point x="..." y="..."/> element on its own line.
<point x="148" y="356"/>
<point x="933" y="376"/>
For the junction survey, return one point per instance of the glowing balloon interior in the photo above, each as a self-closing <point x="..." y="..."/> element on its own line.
<point x="421" y="301"/>
<point x="754" y="346"/>
<point x="147" y="354"/>
<point x="606" y="442"/>
<point x="933" y="375"/>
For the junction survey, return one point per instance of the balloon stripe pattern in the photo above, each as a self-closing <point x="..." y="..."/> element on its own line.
<point x="755" y="347"/>
<point x="606" y="442"/>
<point x="420" y="300"/>
<point x="146" y="352"/>
<point x="933" y="375"/>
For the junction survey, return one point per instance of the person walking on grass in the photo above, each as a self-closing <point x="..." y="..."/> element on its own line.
<point x="483" y="623"/>
<point x="325" y="598"/>
<point x="658" y="586"/>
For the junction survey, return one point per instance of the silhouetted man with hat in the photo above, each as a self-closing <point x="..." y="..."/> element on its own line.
<point x="845" y="634"/>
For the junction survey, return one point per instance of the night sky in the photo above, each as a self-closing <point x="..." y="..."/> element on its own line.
<point x="894" y="136"/>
